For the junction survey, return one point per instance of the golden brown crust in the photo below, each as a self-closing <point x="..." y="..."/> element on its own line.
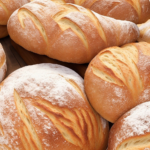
<point x="67" y="32"/>
<point x="46" y="108"/>
<point x="137" y="11"/>
<point x="3" y="31"/>
<point x="7" y="7"/>
<point x="117" y="79"/>
<point x="131" y="131"/>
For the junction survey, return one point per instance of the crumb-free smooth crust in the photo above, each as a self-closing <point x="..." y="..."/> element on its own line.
<point x="67" y="32"/>
<point x="44" y="107"/>
<point x="132" y="130"/>
<point x="117" y="79"/>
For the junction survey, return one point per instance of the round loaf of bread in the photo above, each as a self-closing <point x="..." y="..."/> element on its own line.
<point x="144" y="32"/>
<point x="117" y="79"/>
<point x="132" y="130"/>
<point x="3" y="66"/>
<point x="7" y="7"/>
<point x="44" y="107"/>
<point x="3" y="31"/>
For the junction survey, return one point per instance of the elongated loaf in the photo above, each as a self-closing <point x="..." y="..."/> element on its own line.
<point x="44" y="107"/>
<point x="117" y="79"/>
<point x="7" y="7"/>
<point x="3" y="66"/>
<point x="137" y="11"/>
<point x="144" y="32"/>
<point x="67" y="32"/>
<point x="3" y="31"/>
<point x="132" y="130"/>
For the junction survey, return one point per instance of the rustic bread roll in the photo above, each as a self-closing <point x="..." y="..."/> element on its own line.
<point x="7" y="7"/>
<point x="117" y="79"/>
<point x="144" y="32"/>
<point x="44" y="107"/>
<point x="67" y="32"/>
<point x="3" y="31"/>
<point x="132" y="130"/>
<point x="3" y="66"/>
<point x="137" y="11"/>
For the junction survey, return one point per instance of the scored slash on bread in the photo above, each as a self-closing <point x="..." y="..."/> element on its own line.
<point x="117" y="79"/>
<point x="46" y="107"/>
<point x="67" y="32"/>
<point x="137" y="11"/>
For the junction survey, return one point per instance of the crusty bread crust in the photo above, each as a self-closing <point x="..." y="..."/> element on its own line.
<point x="3" y="66"/>
<point x="137" y="11"/>
<point x="117" y="79"/>
<point x="7" y="7"/>
<point x="132" y="130"/>
<point x="44" y="107"/>
<point x="67" y="32"/>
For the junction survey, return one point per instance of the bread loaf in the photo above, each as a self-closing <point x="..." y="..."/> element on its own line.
<point x="67" y="32"/>
<point x="3" y="66"/>
<point x="137" y="11"/>
<point x="132" y="130"/>
<point x="144" y="32"/>
<point x="117" y="79"/>
<point x="44" y="107"/>
<point x="7" y="7"/>
<point x="3" y="31"/>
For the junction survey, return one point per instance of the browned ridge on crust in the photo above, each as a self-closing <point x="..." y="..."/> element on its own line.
<point x="117" y="79"/>
<point x="45" y="107"/>
<point x="137" y="11"/>
<point x="67" y="32"/>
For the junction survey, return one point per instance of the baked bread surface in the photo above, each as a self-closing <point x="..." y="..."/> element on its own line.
<point x="117" y="79"/>
<point x="7" y="7"/>
<point x="144" y="32"/>
<point x="44" y="107"/>
<point x="137" y="11"/>
<point x="67" y="32"/>
<point x="132" y="130"/>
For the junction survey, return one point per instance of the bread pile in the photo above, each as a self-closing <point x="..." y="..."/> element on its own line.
<point x="7" y="7"/>
<point x="49" y="106"/>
